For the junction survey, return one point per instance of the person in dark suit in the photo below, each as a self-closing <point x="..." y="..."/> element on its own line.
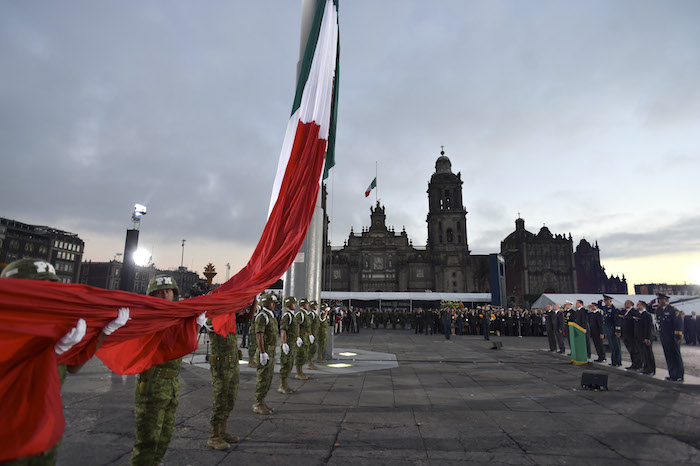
<point x="549" y="327"/>
<point x="643" y="335"/>
<point x="558" y="321"/>
<point x="595" y="324"/>
<point x="612" y="328"/>
<point x="628" y="338"/>
<point x="670" y="334"/>
<point x="695" y="322"/>
<point x="689" y="329"/>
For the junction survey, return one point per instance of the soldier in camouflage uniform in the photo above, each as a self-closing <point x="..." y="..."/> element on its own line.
<point x="156" y="392"/>
<point x="38" y="269"/>
<point x="266" y="338"/>
<point x="304" y="330"/>
<point x="313" y="337"/>
<point x="289" y="332"/>
<point x="225" y="373"/>
<point x="322" y="336"/>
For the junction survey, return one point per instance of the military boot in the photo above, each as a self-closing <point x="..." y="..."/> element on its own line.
<point x="320" y="359"/>
<point x="251" y="361"/>
<point x="260" y="408"/>
<point x="267" y="407"/>
<point x="312" y="366"/>
<point x="226" y="436"/>
<point x="300" y="374"/>
<point x="284" y="388"/>
<point x="215" y="441"/>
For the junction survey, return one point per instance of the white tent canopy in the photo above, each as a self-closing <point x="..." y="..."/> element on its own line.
<point x="618" y="299"/>
<point x="687" y="304"/>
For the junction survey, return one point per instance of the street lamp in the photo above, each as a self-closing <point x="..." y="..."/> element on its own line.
<point x="133" y="258"/>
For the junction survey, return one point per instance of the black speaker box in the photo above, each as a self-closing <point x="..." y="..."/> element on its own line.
<point x="594" y="381"/>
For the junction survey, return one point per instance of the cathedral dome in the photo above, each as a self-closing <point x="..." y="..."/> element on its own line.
<point x="443" y="164"/>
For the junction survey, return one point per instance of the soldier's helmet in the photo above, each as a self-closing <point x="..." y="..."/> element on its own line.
<point x="268" y="300"/>
<point x="30" y="269"/>
<point x="163" y="282"/>
<point x="289" y="300"/>
<point x="313" y="304"/>
<point x="303" y="301"/>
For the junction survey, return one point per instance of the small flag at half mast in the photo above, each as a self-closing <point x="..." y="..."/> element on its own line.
<point x="371" y="186"/>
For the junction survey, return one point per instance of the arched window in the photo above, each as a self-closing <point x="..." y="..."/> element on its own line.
<point x="450" y="235"/>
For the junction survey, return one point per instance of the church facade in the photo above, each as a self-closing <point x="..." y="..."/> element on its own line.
<point x="380" y="259"/>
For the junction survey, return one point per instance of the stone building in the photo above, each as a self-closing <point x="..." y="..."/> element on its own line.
<point x="107" y="275"/>
<point x="62" y="249"/>
<point x="380" y="259"/>
<point x="547" y="263"/>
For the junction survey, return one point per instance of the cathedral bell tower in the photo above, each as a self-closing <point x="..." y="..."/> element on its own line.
<point x="447" y="218"/>
<point x="447" y="230"/>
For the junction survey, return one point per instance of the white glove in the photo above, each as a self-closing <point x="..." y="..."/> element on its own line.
<point x="300" y="342"/>
<point x="264" y="358"/>
<point x="202" y="319"/>
<point x="119" y="322"/>
<point x="311" y="338"/>
<point x="285" y="348"/>
<point x="71" y="338"/>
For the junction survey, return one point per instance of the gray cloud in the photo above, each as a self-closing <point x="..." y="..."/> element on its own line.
<point x="582" y="116"/>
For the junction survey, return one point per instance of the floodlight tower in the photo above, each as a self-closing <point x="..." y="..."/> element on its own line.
<point x="126" y="282"/>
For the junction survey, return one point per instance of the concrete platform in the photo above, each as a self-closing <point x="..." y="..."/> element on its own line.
<point x="441" y="402"/>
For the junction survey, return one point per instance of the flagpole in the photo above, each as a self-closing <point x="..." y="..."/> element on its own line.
<point x="303" y="279"/>
<point x="376" y="188"/>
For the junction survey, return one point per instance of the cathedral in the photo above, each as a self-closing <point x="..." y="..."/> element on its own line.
<point x="380" y="259"/>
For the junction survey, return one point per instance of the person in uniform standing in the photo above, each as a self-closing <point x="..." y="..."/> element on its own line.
<point x="157" y="391"/>
<point x="645" y="329"/>
<point x="595" y="324"/>
<point x="322" y="332"/>
<point x="313" y="344"/>
<point x="612" y="328"/>
<point x="549" y="327"/>
<point x="559" y="323"/>
<point x="225" y="375"/>
<point x="289" y="332"/>
<point x="486" y="322"/>
<point x="304" y="331"/>
<point x="670" y="334"/>
<point x="266" y="332"/>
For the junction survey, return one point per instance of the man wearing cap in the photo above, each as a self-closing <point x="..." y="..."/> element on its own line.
<point x="289" y="332"/>
<point x="38" y="269"/>
<point x="612" y="328"/>
<point x="643" y="335"/>
<point x="670" y="334"/>
<point x="595" y="324"/>
<point x="313" y="344"/>
<point x="304" y="331"/>
<point x="156" y="392"/>
<point x="266" y="340"/>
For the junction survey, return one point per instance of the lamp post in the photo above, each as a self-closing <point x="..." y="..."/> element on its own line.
<point x="126" y="283"/>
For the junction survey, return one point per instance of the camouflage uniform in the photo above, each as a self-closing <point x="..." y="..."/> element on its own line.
<point x="155" y="400"/>
<point x="313" y="347"/>
<point x="225" y="373"/>
<point x="288" y="323"/>
<point x="322" y="337"/>
<point x="304" y="327"/>
<point x="265" y="323"/>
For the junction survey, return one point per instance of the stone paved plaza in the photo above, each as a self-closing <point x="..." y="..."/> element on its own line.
<point x="444" y="402"/>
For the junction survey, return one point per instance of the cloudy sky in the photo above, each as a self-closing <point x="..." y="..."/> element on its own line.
<point x="584" y="116"/>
